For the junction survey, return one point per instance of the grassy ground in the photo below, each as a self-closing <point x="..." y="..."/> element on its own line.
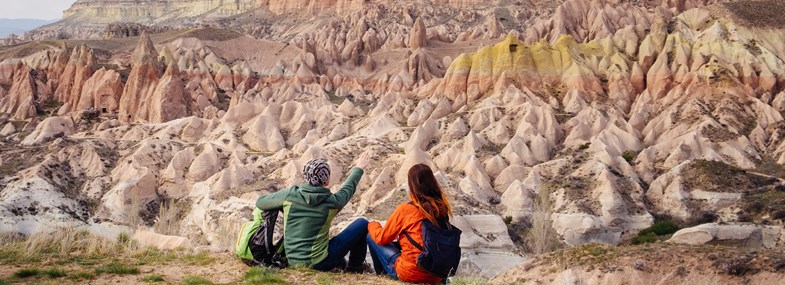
<point x="77" y="257"/>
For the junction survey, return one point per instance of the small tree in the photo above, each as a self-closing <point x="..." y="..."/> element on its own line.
<point x="542" y="238"/>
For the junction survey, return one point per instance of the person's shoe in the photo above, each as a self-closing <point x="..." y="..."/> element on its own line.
<point x="361" y="269"/>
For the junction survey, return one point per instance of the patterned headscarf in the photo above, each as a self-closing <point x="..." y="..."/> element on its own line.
<point x="316" y="172"/>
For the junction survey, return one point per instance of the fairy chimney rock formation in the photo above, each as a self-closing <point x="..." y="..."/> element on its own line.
<point x="78" y="70"/>
<point x="142" y="81"/>
<point x="418" y="37"/>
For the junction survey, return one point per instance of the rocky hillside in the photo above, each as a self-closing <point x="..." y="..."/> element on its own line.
<point x="651" y="264"/>
<point x="593" y="118"/>
<point x="98" y="18"/>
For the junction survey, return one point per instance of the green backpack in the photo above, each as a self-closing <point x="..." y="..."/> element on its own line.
<point x="248" y="229"/>
<point x="255" y="244"/>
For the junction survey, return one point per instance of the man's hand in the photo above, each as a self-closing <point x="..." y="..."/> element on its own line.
<point x="364" y="160"/>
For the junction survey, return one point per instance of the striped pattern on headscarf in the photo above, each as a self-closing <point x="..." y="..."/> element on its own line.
<point x="316" y="172"/>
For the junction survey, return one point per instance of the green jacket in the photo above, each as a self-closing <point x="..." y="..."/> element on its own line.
<point x="308" y="213"/>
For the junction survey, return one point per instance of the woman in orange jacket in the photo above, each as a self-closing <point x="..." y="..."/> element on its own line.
<point x="399" y="260"/>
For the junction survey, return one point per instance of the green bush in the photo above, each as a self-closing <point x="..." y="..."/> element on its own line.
<point x="54" y="273"/>
<point x="117" y="268"/>
<point x="660" y="229"/>
<point x="647" y="238"/>
<point x="262" y="275"/>
<point x="27" y="273"/>
<point x="778" y="215"/>
<point x="652" y="234"/>
<point x="508" y="220"/>
<point x="81" y="275"/>
<point x="629" y="156"/>
<point x="153" y="278"/>
<point x="196" y="280"/>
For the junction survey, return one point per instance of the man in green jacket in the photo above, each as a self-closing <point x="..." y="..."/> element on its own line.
<point x="308" y="212"/>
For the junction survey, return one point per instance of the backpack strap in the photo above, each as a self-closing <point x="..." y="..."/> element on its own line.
<point x="411" y="240"/>
<point x="414" y="243"/>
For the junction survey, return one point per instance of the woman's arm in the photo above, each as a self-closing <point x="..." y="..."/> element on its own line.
<point x="391" y="230"/>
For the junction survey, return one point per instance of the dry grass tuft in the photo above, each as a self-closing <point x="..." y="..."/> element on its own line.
<point x="84" y="248"/>
<point x="469" y="281"/>
<point x="66" y="241"/>
<point x="169" y="218"/>
<point x="132" y="212"/>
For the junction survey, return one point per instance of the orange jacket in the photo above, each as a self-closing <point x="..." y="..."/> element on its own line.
<point x="406" y="218"/>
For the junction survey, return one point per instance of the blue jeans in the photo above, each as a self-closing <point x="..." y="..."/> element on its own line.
<point x="384" y="257"/>
<point x="350" y="241"/>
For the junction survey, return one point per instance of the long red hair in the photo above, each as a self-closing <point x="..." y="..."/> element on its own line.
<point x="426" y="194"/>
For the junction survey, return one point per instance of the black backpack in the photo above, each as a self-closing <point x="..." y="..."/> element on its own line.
<point x="441" y="248"/>
<point x="265" y="251"/>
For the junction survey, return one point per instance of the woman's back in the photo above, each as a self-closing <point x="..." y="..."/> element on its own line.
<point x="426" y="201"/>
<point x="405" y="219"/>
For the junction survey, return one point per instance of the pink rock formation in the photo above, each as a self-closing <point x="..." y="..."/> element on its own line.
<point x="145" y="73"/>
<point x="101" y="92"/>
<point x="20" y="100"/>
<point x="50" y="128"/>
<point x="168" y="101"/>
<point x="418" y="36"/>
<point x="78" y="70"/>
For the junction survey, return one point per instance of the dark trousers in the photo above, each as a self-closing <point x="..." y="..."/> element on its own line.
<point x="350" y="241"/>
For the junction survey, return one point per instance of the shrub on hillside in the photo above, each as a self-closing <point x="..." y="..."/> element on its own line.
<point x="778" y="215"/>
<point x="647" y="238"/>
<point x="652" y="234"/>
<point x="660" y="229"/>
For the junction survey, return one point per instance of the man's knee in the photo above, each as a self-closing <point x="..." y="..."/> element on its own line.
<point x="361" y="222"/>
